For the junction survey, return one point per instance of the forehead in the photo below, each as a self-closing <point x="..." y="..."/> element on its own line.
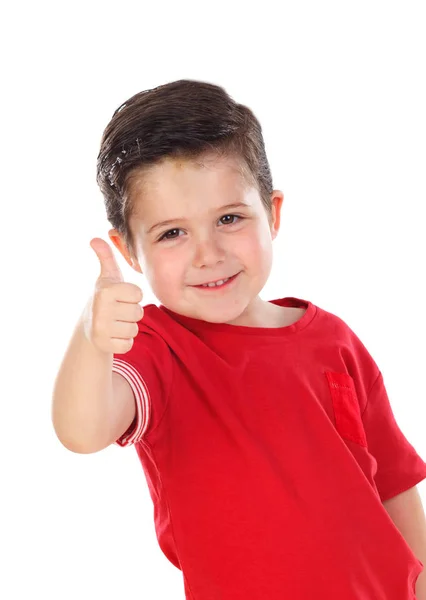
<point x="181" y="181"/>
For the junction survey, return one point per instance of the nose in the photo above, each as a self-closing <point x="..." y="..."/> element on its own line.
<point x="208" y="252"/>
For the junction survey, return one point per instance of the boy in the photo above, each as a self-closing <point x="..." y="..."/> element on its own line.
<point x="264" y="428"/>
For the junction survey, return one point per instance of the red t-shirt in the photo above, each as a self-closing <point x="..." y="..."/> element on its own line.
<point x="268" y="453"/>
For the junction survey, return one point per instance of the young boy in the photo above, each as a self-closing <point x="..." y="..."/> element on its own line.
<point x="264" y="428"/>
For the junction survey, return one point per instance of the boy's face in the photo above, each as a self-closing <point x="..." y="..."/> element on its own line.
<point x="203" y="243"/>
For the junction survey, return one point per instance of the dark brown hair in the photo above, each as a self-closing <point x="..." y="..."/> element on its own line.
<point x="185" y="119"/>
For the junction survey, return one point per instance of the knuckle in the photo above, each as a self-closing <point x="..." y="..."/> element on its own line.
<point x="137" y="293"/>
<point x="124" y="346"/>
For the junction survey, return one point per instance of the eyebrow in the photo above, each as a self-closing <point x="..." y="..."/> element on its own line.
<point x="181" y="219"/>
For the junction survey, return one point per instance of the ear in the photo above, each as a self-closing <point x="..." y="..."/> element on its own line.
<point x="277" y="198"/>
<point x="118" y="242"/>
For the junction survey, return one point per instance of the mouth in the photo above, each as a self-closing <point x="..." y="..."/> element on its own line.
<point x="217" y="285"/>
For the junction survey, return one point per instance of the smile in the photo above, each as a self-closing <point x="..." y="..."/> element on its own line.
<point x="221" y="283"/>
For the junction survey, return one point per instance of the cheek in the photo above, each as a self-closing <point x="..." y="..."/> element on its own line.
<point x="261" y="252"/>
<point x="257" y="244"/>
<point x="165" y="267"/>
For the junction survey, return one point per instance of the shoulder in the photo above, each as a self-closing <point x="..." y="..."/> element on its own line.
<point x="338" y="335"/>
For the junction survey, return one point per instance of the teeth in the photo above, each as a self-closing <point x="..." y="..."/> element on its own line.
<point x="220" y="282"/>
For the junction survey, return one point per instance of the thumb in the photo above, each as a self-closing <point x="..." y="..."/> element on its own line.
<point x="109" y="265"/>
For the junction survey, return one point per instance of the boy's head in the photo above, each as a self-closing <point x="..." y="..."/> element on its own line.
<point x="182" y="153"/>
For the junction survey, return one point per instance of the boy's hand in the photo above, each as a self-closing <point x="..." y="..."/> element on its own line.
<point x="111" y="316"/>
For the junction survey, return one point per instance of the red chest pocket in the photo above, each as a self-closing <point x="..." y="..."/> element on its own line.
<point x="346" y="407"/>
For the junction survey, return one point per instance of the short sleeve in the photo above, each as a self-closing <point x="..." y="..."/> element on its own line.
<point x="399" y="467"/>
<point x="147" y="367"/>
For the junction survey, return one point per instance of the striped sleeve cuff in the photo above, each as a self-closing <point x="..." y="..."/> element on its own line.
<point x="141" y="394"/>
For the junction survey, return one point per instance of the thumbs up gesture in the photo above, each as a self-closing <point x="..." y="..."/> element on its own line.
<point x="111" y="316"/>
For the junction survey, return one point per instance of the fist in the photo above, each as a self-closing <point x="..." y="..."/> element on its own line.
<point x="112" y="314"/>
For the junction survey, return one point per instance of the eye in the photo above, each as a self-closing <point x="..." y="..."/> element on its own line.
<point x="234" y="216"/>
<point x="167" y="236"/>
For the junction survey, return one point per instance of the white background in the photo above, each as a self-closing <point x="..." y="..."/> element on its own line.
<point x="339" y="89"/>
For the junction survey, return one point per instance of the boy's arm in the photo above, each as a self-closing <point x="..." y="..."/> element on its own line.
<point x="91" y="406"/>
<point x="406" y="511"/>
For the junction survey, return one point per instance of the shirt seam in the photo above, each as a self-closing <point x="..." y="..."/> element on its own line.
<point x="150" y="449"/>
<point x="369" y="393"/>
